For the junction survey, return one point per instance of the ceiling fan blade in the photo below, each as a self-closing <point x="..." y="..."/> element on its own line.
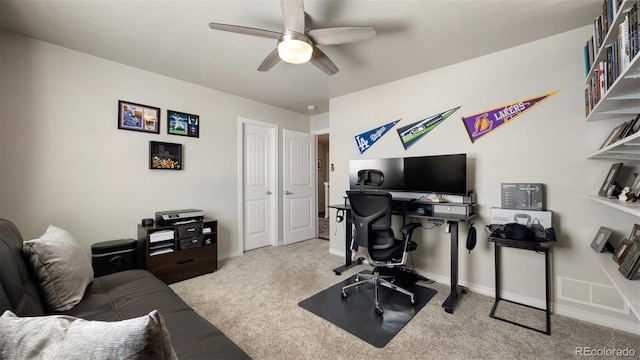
<point x="270" y="61"/>
<point x="245" y="30"/>
<point x="322" y="62"/>
<point x="293" y="15"/>
<point x="341" y="35"/>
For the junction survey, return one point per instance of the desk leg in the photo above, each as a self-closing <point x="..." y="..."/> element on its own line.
<point x="455" y="289"/>
<point x="546" y="281"/>
<point x="347" y="245"/>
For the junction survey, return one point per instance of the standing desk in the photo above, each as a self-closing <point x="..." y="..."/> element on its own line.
<point x="407" y="209"/>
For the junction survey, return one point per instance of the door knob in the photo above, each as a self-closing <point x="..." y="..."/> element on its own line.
<point x="268" y="192"/>
<point x="288" y="193"/>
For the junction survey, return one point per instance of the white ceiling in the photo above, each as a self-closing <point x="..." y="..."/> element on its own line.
<point x="173" y="38"/>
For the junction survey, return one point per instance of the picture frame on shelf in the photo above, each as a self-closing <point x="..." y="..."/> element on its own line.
<point x="618" y="255"/>
<point x="138" y="117"/>
<point x="635" y="233"/>
<point x="180" y="123"/>
<point x="601" y="239"/>
<point x="610" y="179"/>
<point x="165" y="156"/>
<point x="631" y="262"/>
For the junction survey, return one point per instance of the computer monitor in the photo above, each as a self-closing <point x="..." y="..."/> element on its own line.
<point x="441" y="174"/>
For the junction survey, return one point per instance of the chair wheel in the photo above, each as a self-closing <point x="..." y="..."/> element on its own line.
<point x="344" y="295"/>
<point x="379" y="311"/>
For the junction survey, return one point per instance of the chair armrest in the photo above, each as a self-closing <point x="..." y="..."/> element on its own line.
<point x="408" y="229"/>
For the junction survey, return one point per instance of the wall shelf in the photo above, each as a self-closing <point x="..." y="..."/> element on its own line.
<point x="632" y="208"/>
<point x="622" y="97"/>
<point x="626" y="149"/>
<point x="629" y="289"/>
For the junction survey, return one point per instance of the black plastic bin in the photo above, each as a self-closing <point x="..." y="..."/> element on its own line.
<point x="109" y="257"/>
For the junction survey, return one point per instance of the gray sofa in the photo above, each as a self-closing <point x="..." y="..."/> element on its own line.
<point x="114" y="297"/>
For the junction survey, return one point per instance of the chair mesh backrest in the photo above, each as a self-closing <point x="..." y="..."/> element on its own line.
<point x="371" y="212"/>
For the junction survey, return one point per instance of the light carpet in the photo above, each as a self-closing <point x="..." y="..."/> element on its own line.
<point x="254" y="300"/>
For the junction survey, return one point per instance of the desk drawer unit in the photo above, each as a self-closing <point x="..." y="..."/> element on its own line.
<point x="451" y="209"/>
<point x="184" y="264"/>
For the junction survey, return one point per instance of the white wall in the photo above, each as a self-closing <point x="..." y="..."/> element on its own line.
<point x="549" y="144"/>
<point x="64" y="161"/>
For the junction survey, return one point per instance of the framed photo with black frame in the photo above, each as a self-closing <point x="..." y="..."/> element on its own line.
<point x="165" y="156"/>
<point x="618" y="255"/>
<point x="610" y="179"/>
<point x="629" y="266"/>
<point x="138" y="117"/>
<point x="179" y="123"/>
<point x="601" y="240"/>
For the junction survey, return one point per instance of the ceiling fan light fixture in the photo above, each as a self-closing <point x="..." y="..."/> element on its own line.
<point x="294" y="48"/>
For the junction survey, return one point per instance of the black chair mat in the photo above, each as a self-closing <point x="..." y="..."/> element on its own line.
<point x="356" y="314"/>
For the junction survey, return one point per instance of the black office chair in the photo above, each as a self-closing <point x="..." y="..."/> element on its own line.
<point x="374" y="237"/>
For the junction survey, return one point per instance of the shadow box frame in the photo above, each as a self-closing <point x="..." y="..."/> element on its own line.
<point x="165" y="156"/>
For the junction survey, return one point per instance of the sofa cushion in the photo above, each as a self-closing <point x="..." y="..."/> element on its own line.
<point x="67" y="337"/>
<point x="62" y="269"/>
<point x="131" y="293"/>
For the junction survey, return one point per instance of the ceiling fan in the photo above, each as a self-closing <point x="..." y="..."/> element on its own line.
<point x="297" y="44"/>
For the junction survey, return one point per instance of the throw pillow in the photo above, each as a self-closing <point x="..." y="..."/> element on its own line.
<point x="62" y="269"/>
<point x="67" y="337"/>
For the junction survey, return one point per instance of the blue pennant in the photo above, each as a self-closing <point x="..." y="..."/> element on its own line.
<point x="365" y="140"/>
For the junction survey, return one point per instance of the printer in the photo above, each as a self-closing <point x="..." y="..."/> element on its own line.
<point x="178" y="217"/>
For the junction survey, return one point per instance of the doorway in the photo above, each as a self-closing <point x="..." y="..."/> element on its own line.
<point x="322" y="143"/>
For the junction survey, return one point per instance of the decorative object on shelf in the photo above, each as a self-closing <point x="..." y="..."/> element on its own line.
<point x="411" y="133"/>
<point x="166" y="156"/>
<point x="482" y="123"/>
<point x="179" y="123"/>
<point x="629" y="266"/>
<point x="618" y="255"/>
<point x="601" y="240"/>
<point x="137" y="117"/>
<point x="365" y="140"/>
<point x="610" y="180"/>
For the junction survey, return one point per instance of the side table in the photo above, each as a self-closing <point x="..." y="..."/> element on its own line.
<point x="538" y="247"/>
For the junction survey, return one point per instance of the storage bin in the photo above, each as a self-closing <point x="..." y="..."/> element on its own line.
<point x="109" y="257"/>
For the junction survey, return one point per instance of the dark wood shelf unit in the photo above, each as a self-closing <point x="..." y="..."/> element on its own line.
<point x="180" y="262"/>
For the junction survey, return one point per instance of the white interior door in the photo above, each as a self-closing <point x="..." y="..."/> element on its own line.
<point x="299" y="186"/>
<point x="259" y="186"/>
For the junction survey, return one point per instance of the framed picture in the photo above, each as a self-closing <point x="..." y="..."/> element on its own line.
<point x="601" y="239"/>
<point x="137" y="117"/>
<point x="179" y="123"/>
<point x="615" y="134"/>
<point x="635" y="233"/>
<point x="610" y="179"/>
<point x="631" y="262"/>
<point x="618" y="255"/>
<point x="165" y="156"/>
